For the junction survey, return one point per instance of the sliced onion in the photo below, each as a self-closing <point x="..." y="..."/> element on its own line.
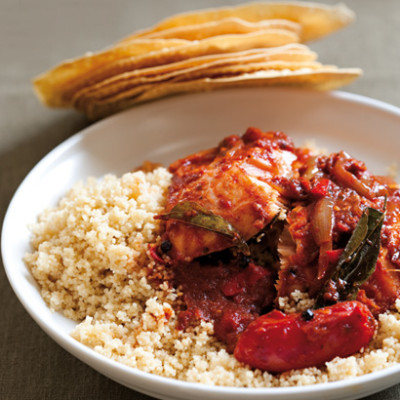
<point x="348" y="179"/>
<point x="322" y="227"/>
<point x="322" y="221"/>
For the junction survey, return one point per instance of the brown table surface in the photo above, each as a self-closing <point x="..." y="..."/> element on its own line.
<point x="35" y="35"/>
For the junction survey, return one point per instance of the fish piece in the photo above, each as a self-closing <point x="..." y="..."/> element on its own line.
<point x="236" y="181"/>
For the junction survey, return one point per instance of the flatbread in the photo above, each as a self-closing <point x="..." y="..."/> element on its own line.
<point x="125" y="81"/>
<point x="225" y="26"/>
<point x="51" y="85"/>
<point x="326" y="78"/>
<point x="317" y="20"/>
<point x="57" y="87"/>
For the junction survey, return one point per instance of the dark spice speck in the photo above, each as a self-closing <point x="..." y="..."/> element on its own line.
<point x="307" y="315"/>
<point x="166" y="246"/>
<point x="244" y="261"/>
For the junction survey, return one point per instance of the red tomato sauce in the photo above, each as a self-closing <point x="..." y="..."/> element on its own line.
<point x="251" y="182"/>
<point x="228" y="294"/>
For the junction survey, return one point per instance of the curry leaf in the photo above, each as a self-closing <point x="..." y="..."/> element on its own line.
<point x="194" y="214"/>
<point x="358" y="260"/>
<point x="364" y="257"/>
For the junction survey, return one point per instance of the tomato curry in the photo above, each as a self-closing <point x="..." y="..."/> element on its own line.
<point x="256" y="218"/>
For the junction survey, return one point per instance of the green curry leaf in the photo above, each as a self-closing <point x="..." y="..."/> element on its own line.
<point x="358" y="260"/>
<point x="362" y="259"/>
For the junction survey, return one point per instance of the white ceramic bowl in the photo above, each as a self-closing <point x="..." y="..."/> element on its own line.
<point x="163" y="131"/>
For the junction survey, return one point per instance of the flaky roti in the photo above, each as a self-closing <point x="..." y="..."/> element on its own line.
<point x="57" y="87"/>
<point x="326" y="78"/>
<point x="225" y="26"/>
<point x="51" y="85"/>
<point x="121" y="82"/>
<point x="317" y="20"/>
<point x="249" y="44"/>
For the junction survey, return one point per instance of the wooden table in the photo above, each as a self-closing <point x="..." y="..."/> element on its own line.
<point x="35" y="35"/>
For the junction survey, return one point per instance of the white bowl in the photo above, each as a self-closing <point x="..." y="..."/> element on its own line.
<point x="163" y="131"/>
